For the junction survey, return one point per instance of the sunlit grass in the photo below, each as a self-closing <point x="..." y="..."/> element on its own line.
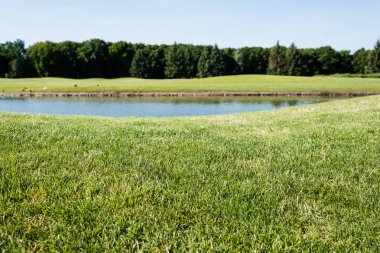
<point x="301" y="179"/>
<point x="227" y="83"/>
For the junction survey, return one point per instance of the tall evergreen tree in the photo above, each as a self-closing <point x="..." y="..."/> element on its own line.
<point x="252" y="60"/>
<point x="293" y="61"/>
<point x="374" y="59"/>
<point x="231" y="66"/>
<point x="157" y="61"/>
<point x="211" y="63"/>
<point x="277" y="60"/>
<point x="242" y="58"/>
<point x="192" y="56"/>
<point x="175" y="59"/>
<point x="204" y="63"/>
<point x="140" y="64"/>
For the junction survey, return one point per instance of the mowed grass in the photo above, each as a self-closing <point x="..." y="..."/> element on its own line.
<point x="226" y="83"/>
<point x="300" y="179"/>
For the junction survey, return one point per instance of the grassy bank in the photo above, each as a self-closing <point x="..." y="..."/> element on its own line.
<point x="305" y="179"/>
<point x="374" y="75"/>
<point x="260" y="83"/>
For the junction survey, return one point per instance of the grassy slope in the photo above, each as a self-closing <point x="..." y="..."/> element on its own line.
<point x="228" y="83"/>
<point x="305" y="178"/>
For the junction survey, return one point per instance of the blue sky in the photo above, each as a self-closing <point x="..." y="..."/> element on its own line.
<point x="349" y="24"/>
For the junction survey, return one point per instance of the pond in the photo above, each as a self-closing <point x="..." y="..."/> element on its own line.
<point x="150" y="106"/>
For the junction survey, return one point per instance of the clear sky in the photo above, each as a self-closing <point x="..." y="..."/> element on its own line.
<point x="343" y="24"/>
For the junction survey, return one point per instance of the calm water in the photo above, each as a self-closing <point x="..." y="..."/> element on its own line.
<point x="148" y="107"/>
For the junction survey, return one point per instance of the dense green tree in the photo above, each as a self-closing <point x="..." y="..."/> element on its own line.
<point x="252" y="60"/>
<point x="157" y="61"/>
<point x="243" y="60"/>
<point x="204" y="68"/>
<point x="310" y="63"/>
<point x="120" y="56"/>
<point x="360" y="61"/>
<point x="181" y="61"/>
<point x="18" y="58"/>
<point x="140" y="64"/>
<point x="293" y="61"/>
<point x="28" y="69"/>
<point x="260" y="57"/>
<point x="92" y="59"/>
<point x="345" y="62"/>
<point x="97" y="58"/>
<point x="328" y="60"/>
<point x="4" y="63"/>
<point x="192" y="56"/>
<point x="54" y="59"/>
<point x="211" y="62"/>
<point x="374" y="59"/>
<point x="231" y="66"/>
<point x="277" y="60"/>
<point x="13" y="59"/>
<point x="175" y="60"/>
<point x="44" y="57"/>
<point x="148" y="62"/>
<point x="68" y="59"/>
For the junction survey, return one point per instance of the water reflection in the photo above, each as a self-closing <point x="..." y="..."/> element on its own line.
<point x="150" y="106"/>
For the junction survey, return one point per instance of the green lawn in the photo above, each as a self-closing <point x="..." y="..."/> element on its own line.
<point x="300" y="179"/>
<point x="227" y="83"/>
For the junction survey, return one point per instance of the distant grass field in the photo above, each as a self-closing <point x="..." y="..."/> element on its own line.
<point x="227" y="83"/>
<point x="292" y="180"/>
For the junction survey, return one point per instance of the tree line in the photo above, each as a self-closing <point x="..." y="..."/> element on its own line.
<point x="98" y="58"/>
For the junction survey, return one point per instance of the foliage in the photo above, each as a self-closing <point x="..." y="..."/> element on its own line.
<point x="230" y="64"/>
<point x="120" y="56"/>
<point x="360" y="61"/>
<point x="252" y="60"/>
<point x="277" y="60"/>
<point x="211" y="62"/>
<point x="97" y="58"/>
<point x="54" y="59"/>
<point x="140" y="64"/>
<point x="345" y="62"/>
<point x="92" y="59"/>
<point x="374" y="59"/>
<point x="176" y="61"/>
<point x="310" y="64"/>
<point x="12" y="59"/>
<point x="148" y="62"/>
<point x="293" y="61"/>
<point x="328" y="60"/>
